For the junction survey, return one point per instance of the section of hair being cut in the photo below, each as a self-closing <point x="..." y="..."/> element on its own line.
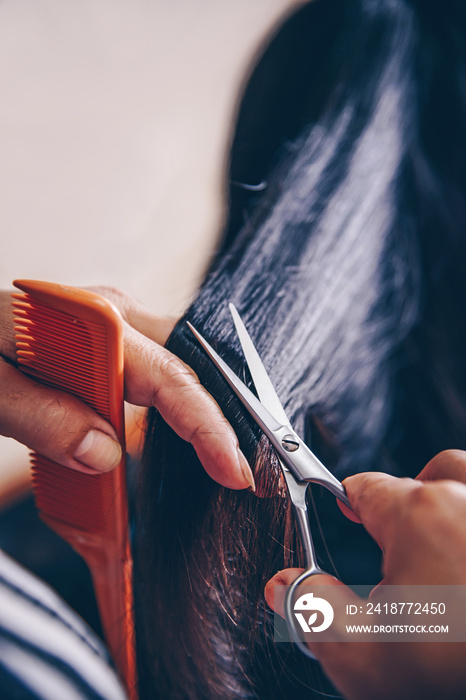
<point x="347" y="266"/>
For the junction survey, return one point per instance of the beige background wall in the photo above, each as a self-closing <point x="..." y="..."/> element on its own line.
<point x="114" y="120"/>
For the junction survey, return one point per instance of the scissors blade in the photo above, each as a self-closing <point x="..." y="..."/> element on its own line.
<point x="269" y="398"/>
<point x="264" y="387"/>
<point x="303" y="463"/>
<point x="259" y="412"/>
<point x="267" y="394"/>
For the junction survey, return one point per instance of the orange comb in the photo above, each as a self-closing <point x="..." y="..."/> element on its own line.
<point x="71" y="339"/>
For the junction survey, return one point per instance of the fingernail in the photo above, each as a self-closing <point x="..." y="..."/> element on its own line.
<point x="246" y="469"/>
<point x="98" y="451"/>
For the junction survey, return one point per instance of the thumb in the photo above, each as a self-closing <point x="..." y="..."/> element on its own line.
<point x="55" y="424"/>
<point x="344" y="664"/>
<point x="325" y="590"/>
<point x="277" y="588"/>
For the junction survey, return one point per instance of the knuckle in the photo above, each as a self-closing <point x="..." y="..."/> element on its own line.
<point x="184" y="402"/>
<point x="174" y="372"/>
<point x="435" y="506"/>
<point x="183" y="413"/>
<point x="173" y="377"/>
<point x="447" y="491"/>
<point x="171" y="366"/>
<point x="61" y="422"/>
<point x="199" y="432"/>
<point x="54" y="416"/>
<point x="423" y="498"/>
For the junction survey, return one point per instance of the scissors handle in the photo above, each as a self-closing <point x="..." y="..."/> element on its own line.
<point x="298" y="498"/>
<point x="291" y="619"/>
<point x="302" y="522"/>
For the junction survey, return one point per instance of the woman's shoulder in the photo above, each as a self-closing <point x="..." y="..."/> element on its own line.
<point x="46" y="650"/>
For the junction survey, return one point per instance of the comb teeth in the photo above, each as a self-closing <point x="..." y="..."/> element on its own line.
<point x="63" y="351"/>
<point x="69" y="354"/>
<point x="64" y="496"/>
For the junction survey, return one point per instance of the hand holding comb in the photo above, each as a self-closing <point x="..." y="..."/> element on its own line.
<point x="71" y="339"/>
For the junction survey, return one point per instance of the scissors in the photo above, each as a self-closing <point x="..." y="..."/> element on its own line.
<point x="298" y="463"/>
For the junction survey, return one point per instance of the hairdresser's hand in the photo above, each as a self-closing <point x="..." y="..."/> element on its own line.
<point x="420" y="525"/>
<point x="69" y="432"/>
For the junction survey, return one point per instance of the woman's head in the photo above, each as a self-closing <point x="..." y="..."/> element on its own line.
<point x="339" y="268"/>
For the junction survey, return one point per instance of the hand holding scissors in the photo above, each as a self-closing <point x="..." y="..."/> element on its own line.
<point x="299" y="465"/>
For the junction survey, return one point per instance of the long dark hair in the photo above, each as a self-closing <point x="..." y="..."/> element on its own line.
<point x="344" y="252"/>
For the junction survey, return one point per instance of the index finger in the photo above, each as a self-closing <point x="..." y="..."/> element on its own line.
<point x="376" y="499"/>
<point x="156" y="377"/>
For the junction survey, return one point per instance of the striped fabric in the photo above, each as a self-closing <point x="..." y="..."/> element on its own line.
<point x="47" y="652"/>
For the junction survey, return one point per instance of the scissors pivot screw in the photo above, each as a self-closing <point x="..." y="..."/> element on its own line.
<point x="290" y="443"/>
